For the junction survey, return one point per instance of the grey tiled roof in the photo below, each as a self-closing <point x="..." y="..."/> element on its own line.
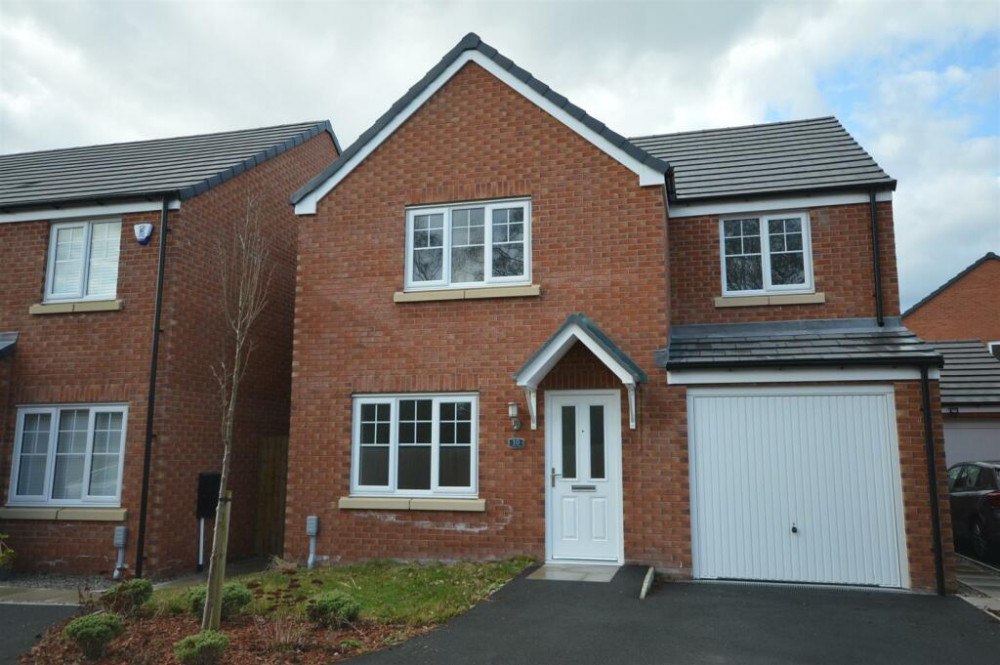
<point x="971" y="376"/>
<point x="989" y="256"/>
<point x="469" y="43"/>
<point x="7" y="342"/>
<point x="187" y="165"/>
<point x="780" y="157"/>
<point x="598" y="336"/>
<point x="832" y="342"/>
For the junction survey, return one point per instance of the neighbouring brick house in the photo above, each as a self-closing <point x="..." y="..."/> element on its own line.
<point x="518" y="332"/>
<point x="76" y="336"/>
<point x="962" y="318"/>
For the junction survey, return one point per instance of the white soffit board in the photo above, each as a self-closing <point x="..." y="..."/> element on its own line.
<point x="648" y="176"/>
<point x="771" y="204"/>
<point x="694" y="377"/>
<point x="86" y="211"/>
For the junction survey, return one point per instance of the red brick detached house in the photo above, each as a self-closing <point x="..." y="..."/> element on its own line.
<point x="517" y="332"/>
<point x="77" y="312"/>
<point x="962" y="317"/>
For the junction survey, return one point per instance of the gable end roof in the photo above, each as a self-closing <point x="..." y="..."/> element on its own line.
<point x="989" y="256"/>
<point x="184" y="166"/>
<point x="472" y="43"/>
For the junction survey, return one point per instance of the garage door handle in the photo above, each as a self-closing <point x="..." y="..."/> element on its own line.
<point x="795" y="529"/>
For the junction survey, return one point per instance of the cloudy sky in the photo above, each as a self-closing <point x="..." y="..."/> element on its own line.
<point x="916" y="83"/>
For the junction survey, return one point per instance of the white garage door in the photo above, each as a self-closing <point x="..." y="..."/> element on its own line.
<point x="972" y="440"/>
<point x="796" y="485"/>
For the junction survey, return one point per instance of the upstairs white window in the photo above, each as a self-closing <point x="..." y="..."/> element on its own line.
<point x="83" y="261"/>
<point x="415" y="445"/>
<point x="68" y="455"/>
<point x="468" y="245"/>
<point x="766" y="254"/>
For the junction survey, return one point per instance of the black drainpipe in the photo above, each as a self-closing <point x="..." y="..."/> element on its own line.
<point x="151" y="397"/>
<point x="876" y="256"/>
<point x="932" y="479"/>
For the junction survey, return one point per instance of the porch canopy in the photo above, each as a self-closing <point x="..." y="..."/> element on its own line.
<point x="579" y="328"/>
<point x="8" y="340"/>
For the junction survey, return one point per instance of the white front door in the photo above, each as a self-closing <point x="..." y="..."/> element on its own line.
<point x="583" y="438"/>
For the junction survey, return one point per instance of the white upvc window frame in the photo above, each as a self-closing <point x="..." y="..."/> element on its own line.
<point x="992" y="347"/>
<point x="81" y="295"/>
<point x="45" y="499"/>
<point x="435" y="490"/>
<point x="409" y="284"/>
<point x="765" y="251"/>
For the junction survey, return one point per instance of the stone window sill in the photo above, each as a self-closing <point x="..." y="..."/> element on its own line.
<point x="763" y="301"/>
<point x="468" y="294"/>
<point x="79" y="307"/>
<point x="403" y="503"/>
<point x="71" y="514"/>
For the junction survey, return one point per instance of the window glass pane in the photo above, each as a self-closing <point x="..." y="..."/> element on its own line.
<point x="597" y="442"/>
<point x="744" y="273"/>
<point x="569" y="442"/>
<point x="105" y="241"/>
<point x="787" y="256"/>
<point x="467" y="249"/>
<point x="106" y="457"/>
<point x="71" y="447"/>
<point x="428" y="247"/>
<point x="374" y="468"/>
<point x="414" y="472"/>
<point x="67" y="270"/>
<point x="508" y="242"/>
<point x="455" y="466"/>
<point x="34" y="454"/>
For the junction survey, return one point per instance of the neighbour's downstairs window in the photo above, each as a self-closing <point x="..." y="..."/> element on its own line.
<point x="415" y="445"/>
<point x="83" y="261"/>
<point x="766" y="254"/>
<point x="68" y="455"/>
<point x="468" y="245"/>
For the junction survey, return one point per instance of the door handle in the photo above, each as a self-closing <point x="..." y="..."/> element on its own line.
<point x="554" y="475"/>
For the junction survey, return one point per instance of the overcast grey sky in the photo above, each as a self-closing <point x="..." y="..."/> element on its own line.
<point x="916" y="83"/>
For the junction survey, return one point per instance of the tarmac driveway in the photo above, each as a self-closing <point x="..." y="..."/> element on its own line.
<point x="21" y="625"/>
<point x="550" y="623"/>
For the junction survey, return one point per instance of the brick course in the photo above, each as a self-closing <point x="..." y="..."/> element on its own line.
<point x="968" y="309"/>
<point x="104" y="357"/>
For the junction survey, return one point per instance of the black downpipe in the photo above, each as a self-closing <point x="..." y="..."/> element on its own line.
<point x="876" y="256"/>
<point x="932" y="480"/>
<point x="140" y="551"/>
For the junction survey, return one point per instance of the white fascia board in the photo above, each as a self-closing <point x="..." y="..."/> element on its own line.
<point x="696" y="377"/>
<point x="648" y="176"/>
<point x="86" y="211"/>
<point x="543" y="364"/>
<point x="773" y="204"/>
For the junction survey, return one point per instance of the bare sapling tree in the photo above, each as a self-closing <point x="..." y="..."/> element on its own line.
<point x="245" y="276"/>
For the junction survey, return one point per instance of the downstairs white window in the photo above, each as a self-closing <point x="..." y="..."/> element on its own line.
<point x="766" y="254"/>
<point x="68" y="455"/>
<point x="415" y="445"/>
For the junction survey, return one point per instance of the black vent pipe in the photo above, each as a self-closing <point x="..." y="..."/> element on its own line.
<point x="877" y="258"/>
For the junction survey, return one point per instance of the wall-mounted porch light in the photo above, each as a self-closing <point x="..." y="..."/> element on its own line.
<point x="515" y="423"/>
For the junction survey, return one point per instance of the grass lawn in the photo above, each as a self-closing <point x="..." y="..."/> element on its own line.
<point x="398" y="601"/>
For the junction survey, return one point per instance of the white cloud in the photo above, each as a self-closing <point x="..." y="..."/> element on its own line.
<point x="76" y="73"/>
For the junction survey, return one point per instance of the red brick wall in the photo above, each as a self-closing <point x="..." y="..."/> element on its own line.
<point x="104" y="357"/>
<point x="968" y="309"/>
<point x="75" y="358"/>
<point x="842" y="268"/>
<point x="475" y="139"/>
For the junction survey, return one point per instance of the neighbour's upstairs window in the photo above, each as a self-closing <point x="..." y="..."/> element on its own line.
<point x="468" y="245"/>
<point x="766" y="254"/>
<point x="83" y="261"/>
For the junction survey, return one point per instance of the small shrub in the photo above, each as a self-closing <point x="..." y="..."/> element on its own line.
<point x="235" y="596"/>
<point x="93" y="632"/>
<point x="204" y="648"/>
<point x="126" y="598"/>
<point x="7" y="554"/>
<point x="332" y="609"/>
